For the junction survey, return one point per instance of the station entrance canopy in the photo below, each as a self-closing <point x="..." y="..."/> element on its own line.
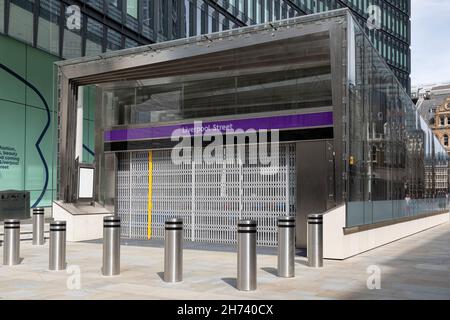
<point x="315" y="79"/>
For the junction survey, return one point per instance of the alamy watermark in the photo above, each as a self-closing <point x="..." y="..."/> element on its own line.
<point x="228" y="150"/>
<point x="374" y="19"/>
<point x="73" y="17"/>
<point x="374" y="280"/>
<point x="74" y="279"/>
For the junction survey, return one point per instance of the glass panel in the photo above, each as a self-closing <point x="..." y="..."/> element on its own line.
<point x="114" y="40"/>
<point x="129" y="43"/>
<point x="40" y="73"/>
<point x="34" y="167"/>
<point x="72" y="40"/>
<point x="12" y="153"/>
<point x="46" y="200"/>
<point x="98" y="4"/>
<point x="13" y="55"/>
<point x="132" y="14"/>
<point x="147" y="18"/>
<point x="48" y="29"/>
<point x="115" y="9"/>
<point x="94" y="37"/>
<point x="2" y="15"/>
<point x="281" y="86"/>
<point x="21" y="20"/>
<point x="393" y="167"/>
<point x="89" y="106"/>
<point x="132" y="8"/>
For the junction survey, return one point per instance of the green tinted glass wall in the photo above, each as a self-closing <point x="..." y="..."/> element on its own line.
<point x="13" y="55"/>
<point x="26" y="114"/>
<point x="12" y="148"/>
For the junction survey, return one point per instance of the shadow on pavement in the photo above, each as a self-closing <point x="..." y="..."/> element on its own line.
<point x="230" y="281"/>
<point x="272" y="271"/>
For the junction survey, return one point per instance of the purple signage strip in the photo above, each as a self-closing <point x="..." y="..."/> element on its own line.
<point x="282" y="122"/>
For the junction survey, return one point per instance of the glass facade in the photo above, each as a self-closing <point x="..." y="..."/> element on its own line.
<point x="94" y="36"/>
<point x="205" y="96"/>
<point x="390" y="148"/>
<point x="26" y="104"/>
<point x="24" y="115"/>
<point x="138" y="22"/>
<point x="72" y="45"/>
<point x="389" y="33"/>
<point x="48" y="26"/>
<point x="21" y="20"/>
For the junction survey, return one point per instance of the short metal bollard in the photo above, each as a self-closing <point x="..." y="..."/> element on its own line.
<point x="111" y="246"/>
<point x="38" y="226"/>
<point x="57" y="256"/>
<point x="286" y="247"/>
<point x="11" y="242"/>
<point x="173" y="250"/>
<point x="315" y="240"/>
<point x="246" y="262"/>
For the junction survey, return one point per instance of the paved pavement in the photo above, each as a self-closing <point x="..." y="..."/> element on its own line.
<point x="417" y="267"/>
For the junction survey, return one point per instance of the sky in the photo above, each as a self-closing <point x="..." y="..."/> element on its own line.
<point x="430" y="43"/>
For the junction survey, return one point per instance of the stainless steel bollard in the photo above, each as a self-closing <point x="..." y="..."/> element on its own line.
<point x="286" y="247"/>
<point x="57" y="256"/>
<point x="38" y="226"/>
<point x="111" y="246"/>
<point x="173" y="250"/>
<point x="315" y="240"/>
<point x="11" y="242"/>
<point x="246" y="262"/>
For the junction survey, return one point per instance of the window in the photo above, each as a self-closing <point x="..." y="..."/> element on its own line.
<point x="215" y="21"/>
<point x="48" y="29"/>
<point x="72" y="40"/>
<point x="94" y="37"/>
<point x="132" y="14"/>
<point x="98" y="4"/>
<point x="442" y="121"/>
<point x="204" y="19"/>
<point x="2" y="15"/>
<point x="225" y="24"/>
<point x="284" y="10"/>
<point x="114" y="40"/>
<point x="21" y="20"/>
<point x="115" y="9"/>
<point x="132" y="8"/>
<point x="277" y="10"/>
<point x="251" y="7"/>
<point x="147" y="18"/>
<point x="163" y="21"/>
<point x="191" y="19"/>
<point x="129" y="43"/>
<point x="445" y="140"/>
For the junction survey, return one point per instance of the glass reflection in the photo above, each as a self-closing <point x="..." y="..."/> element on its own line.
<point x="394" y="157"/>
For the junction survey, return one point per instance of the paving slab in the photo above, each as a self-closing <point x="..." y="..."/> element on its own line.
<point x="417" y="267"/>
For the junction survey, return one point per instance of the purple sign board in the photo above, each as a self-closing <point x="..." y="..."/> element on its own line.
<point x="281" y="122"/>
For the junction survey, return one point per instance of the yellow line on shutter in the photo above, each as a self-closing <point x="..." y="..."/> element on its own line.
<point x="150" y="193"/>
